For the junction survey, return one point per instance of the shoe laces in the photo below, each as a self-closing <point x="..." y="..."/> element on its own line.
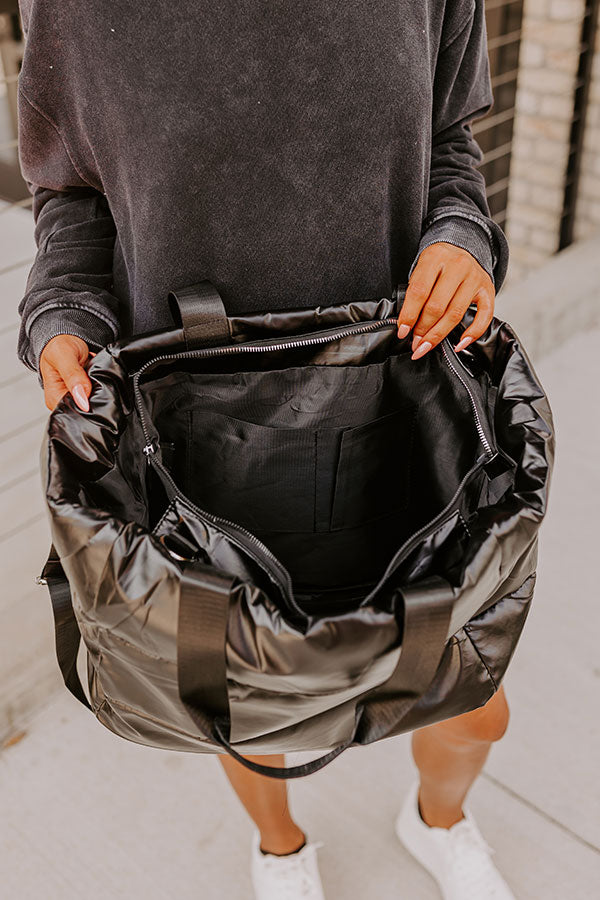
<point x="294" y="872"/>
<point x="470" y="860"/>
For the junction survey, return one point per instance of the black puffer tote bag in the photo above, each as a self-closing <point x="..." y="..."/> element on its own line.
<point x="277" y="532"/>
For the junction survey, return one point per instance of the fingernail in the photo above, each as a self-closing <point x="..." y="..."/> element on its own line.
<point x="80" y="398"/>
<point x="416" y="341"/>
<point x="422" y="349"/>
<point x="403" y="331"/>
<point x="462" y="344"/>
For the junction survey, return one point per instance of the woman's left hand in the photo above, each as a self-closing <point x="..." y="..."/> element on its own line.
<point x="445" y="282"/>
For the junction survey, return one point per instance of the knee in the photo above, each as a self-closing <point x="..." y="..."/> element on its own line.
<point x="483" y="725"/>
<point x="490" y="722"/>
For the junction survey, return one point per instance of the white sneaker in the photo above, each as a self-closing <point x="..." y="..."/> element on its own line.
<point x="291" y="877"/>
<point x="458" y="857"/>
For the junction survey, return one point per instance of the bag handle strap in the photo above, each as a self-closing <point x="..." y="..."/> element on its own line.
<point x="285" y="772"/>
<point x="202" y="623"/>
<point x="204" y="604"/>
<point x="427" y="608"/>
<point x="199" y="310"/>
<point x="66" y="630"/>
<point x="201" y="658"/>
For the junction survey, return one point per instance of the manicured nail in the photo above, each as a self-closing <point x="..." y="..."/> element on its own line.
<point x="416" y="341"/>
<point x="462" y="344"/>
<point x="80" y="398"/>
<point x="422" y="350"/>
<point x="403" y="331"/>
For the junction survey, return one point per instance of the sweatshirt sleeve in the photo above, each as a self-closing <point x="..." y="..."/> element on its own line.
<point x="68" y="286"/>
<point x="457" y="210"/>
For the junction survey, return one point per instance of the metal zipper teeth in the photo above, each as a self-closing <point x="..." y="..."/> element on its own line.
<point x="232" y="527"/>
<point x="433" y="525"/>
<point x="203" y="353"/>
<point x="149" y="450"/>
<point x="263" y="346"/>
<point x="478" y="424"/>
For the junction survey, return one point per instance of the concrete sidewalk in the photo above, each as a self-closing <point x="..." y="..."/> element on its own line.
<point x="87" y="814"/>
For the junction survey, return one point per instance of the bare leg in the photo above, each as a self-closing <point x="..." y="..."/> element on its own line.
<point x="266" y="801"/>
<point x="450" y="756"/>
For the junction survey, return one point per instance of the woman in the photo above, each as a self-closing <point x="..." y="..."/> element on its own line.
<point x="294" y="154"/>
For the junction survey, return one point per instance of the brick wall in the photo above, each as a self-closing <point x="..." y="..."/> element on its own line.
<point x="549" y="57"/>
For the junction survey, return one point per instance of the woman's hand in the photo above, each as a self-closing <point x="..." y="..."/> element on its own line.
<point x="444" y="283"/>
<point x="62" y="369"/>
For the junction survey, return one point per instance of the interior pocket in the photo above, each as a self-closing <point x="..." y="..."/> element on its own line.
<point x="258" y="476"/>
<point x="373" y="471"/>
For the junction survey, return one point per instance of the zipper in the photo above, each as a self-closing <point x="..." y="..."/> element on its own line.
<point x="324" y="337"/>
<point x="279" y="573"/>
<point x="250" y="347"/>
<point x="429" y="528"/>
<point x="478" y="425"/>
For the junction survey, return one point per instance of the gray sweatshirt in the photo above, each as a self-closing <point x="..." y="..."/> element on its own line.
<point x="297" y="153"/>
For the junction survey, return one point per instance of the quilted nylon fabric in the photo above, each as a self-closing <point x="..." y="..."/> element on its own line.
<point x="338" y="488"/>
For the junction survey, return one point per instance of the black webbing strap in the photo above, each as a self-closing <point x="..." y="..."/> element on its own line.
<point x="204" y="602"/>
<point x="202" y="666"/>
<point x="427" y="609"/>
<point x="202" y="662"/>
<point x="299" y="771"/>
<point x="202" y="314"/>
<point x="202" y="625"/>
<point x="66" y="630"/>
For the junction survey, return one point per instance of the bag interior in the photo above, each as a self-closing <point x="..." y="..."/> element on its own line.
<point x="331" y="466"/>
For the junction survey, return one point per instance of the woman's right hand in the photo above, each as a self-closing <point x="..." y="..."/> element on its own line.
<point x="62" y="370"/>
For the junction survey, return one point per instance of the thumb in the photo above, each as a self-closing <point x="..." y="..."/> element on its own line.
<point x="62" y="369"/>
<point x="76" y="380"/>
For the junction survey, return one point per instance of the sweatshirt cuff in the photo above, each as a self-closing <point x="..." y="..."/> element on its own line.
<point x="78" y="322"/>
<point x="461" y="232"/>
